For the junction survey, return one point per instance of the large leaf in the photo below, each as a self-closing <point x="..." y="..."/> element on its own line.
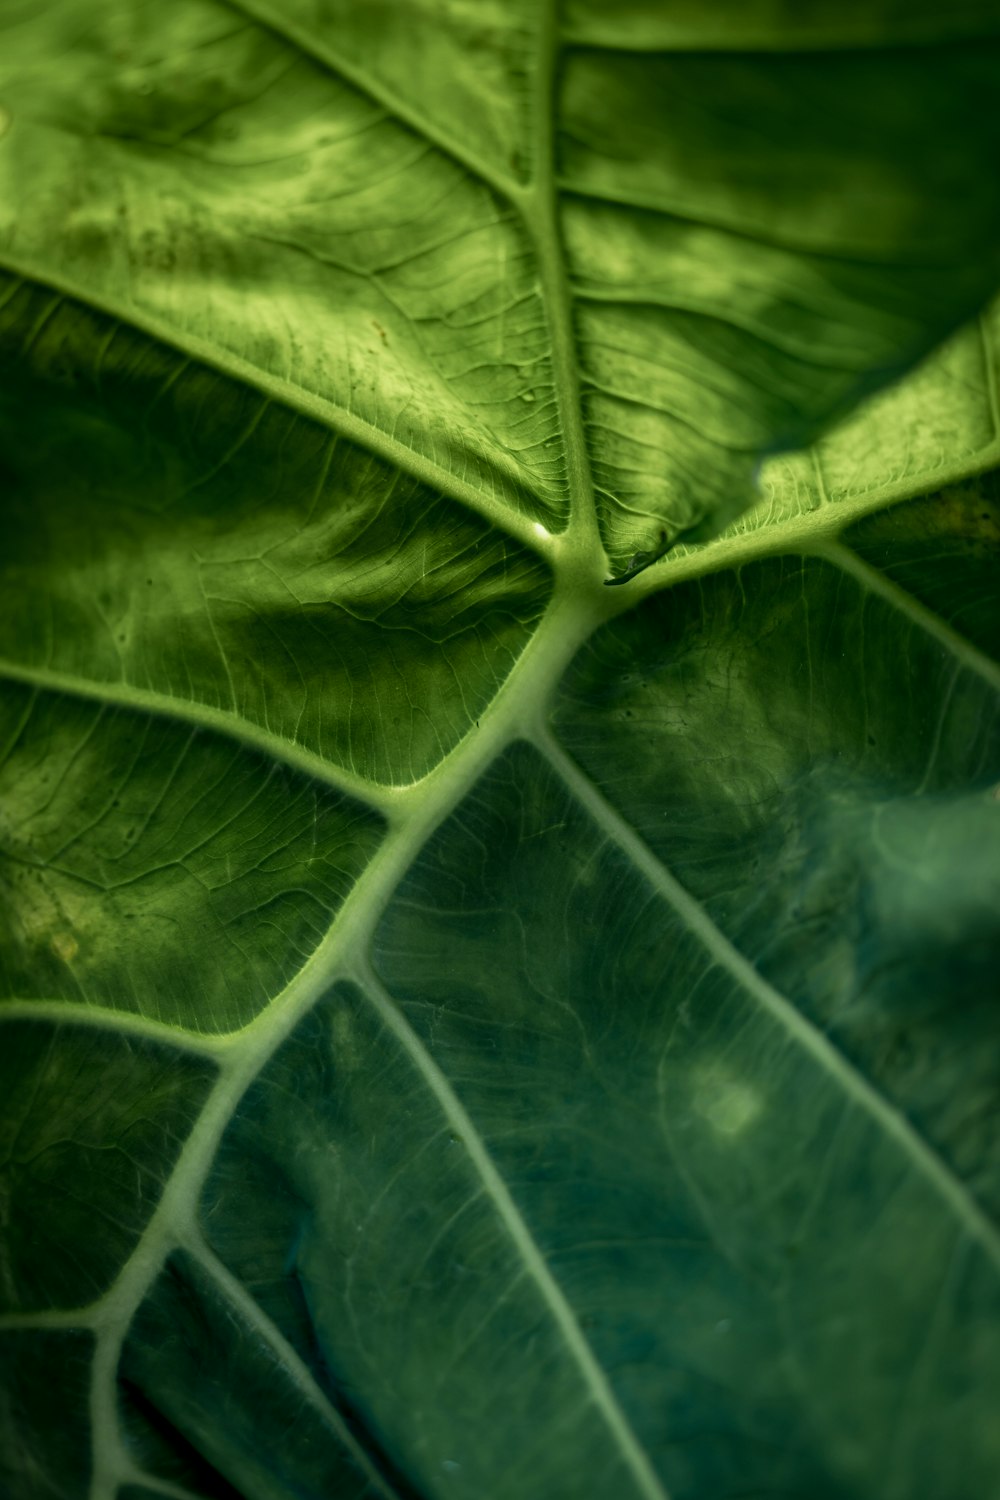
<point x="467" y="1031"/>
<point x="528" y="258"/>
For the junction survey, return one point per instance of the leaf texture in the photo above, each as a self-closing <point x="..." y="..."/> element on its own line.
<point x="466" y="1031"/>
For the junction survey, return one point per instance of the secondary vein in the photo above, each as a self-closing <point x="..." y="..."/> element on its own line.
<point x="803" y="1032"/>
<point x="647" y="1483"/>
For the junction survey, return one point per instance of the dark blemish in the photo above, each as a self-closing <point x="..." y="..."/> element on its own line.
<point x="150" y="582"/>
<point x="379" y="330"/>
<point x="628" y="713"/>
<point x="871" y="739"/>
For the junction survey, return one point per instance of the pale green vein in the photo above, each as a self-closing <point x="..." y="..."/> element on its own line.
<point x="316" y="49"/>
<point x="876" y="582"/>
<point x="324" y="412"/>
<point x="542" y="219"/>
<point x="382" y="798"/>
<point x="566" y="624"/>
<point x="808" y="532"/>
<point x="647" y="1483"/>
<point x="923" y="1158"/>
<point x="285" y="1358"/>
<point x="121" y="1022"/>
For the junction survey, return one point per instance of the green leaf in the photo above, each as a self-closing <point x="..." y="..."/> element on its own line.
<point x="525" y="257"/>
<point x="467" y="1031"/>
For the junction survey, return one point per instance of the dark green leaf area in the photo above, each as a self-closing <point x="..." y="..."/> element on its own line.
<point x="176" y="531"/>
<point x="646" y="25"/>
<point x="212" y="1386"/>
<point x="92" y="1125"/>
<point x="783" y="1292"/>
<point x="375" y="1246"/>
<point x="754" y="260"/>
<point x="838" y="151"/>
<point x="155" y="867"/>
<point x="819" y="769"/>
<point x="158" y="1449"/>
<point x="140" y="1492"/>
<point x="945" y="551"/>
<point x="43" y="1371"/>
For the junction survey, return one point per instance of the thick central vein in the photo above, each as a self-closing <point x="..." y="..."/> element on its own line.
<point x="542" y="218"/>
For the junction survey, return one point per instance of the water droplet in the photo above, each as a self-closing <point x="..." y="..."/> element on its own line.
<point x="527" y="395"/>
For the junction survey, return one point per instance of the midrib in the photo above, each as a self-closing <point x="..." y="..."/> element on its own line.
<point x="541" y="213"/>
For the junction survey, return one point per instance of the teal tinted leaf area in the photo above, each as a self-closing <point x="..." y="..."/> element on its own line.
<point x="820" y="770"/>
<point x="154" y="867"/>
<point x="699" y="1156"/>
<point x="468" y="1032"/>
<point x="236" y="1402"/>
<point x="39" y="1459"/>
<point x="615" y="1148"/>
<point x="92" y="1126"/>
<point x="384" y="1208"/>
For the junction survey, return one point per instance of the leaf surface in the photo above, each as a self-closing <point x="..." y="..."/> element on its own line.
<point x="468" y="1031"/>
